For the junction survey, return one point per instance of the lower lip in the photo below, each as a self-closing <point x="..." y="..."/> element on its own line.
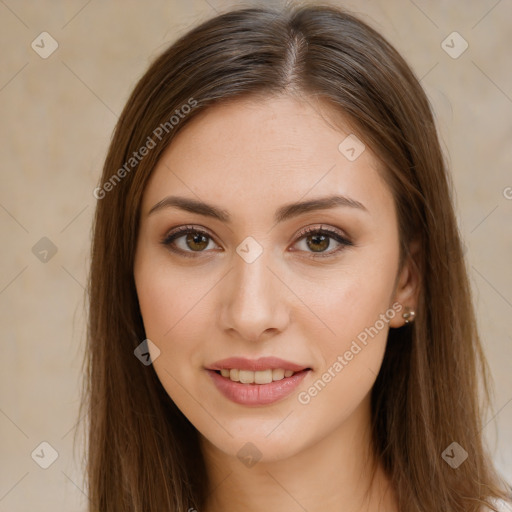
<point x="257" y="394"/>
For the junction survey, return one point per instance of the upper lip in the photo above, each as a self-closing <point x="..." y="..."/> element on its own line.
<point x="263" y="363"/>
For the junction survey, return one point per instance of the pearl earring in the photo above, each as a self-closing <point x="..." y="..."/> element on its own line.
<point x="408" y="316"/>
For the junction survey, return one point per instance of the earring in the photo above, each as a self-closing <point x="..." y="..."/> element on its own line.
<point x="408" y="316"/>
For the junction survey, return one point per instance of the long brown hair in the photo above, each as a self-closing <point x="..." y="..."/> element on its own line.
<point x="143" y="454"/>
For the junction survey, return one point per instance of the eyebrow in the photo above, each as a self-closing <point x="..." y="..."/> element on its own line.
<point x="283" y="213"/>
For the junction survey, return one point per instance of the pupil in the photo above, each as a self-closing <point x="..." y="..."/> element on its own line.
<point x="198" y="239"/>
<point x="322" y="238"/>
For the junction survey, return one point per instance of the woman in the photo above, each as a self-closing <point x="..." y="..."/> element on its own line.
<point x="280" y="315"/>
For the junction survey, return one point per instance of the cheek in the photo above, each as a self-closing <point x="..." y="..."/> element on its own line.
<point x="350" y="300"/>
<point x="359" y="316"/>
<point x="357" y="309"/>
<point x="170" y="304"/>
<point x="176" y="307"/>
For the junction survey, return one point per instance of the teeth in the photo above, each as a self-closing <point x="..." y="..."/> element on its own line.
<point x="278" y="374"/>
<point x="263" y="377"/>
<point x="246" y="376"/>
<point x="258" y="377"/>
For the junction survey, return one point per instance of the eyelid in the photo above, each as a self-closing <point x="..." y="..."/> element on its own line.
<point x="324" y="229"/>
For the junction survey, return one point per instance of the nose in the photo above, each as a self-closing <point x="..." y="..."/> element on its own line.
<point x="254" y="302"/>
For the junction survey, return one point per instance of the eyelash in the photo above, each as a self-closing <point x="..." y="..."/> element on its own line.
<point x="333" y="234"/>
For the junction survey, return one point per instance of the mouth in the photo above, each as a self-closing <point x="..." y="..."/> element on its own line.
<point x="256" y="383"/>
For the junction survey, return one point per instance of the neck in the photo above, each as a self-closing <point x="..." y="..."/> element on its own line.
<point x="339" y="472"/>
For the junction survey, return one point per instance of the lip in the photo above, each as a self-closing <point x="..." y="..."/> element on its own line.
<point x="257" y="394"/>
<point x="263" y="363"/>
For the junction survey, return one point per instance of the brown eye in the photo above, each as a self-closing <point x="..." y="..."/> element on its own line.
<point x="318" y="241"/>
<point x="194" y="240"/>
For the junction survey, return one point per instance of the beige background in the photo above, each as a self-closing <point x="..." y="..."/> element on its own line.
<point x="57" y="118"/>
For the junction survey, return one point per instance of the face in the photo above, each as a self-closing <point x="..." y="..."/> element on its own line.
<point x="314" y="289"/>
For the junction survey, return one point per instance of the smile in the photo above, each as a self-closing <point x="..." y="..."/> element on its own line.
<point x="252" y="393"/>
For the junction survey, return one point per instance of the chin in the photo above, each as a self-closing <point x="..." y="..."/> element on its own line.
<point x="251" y="445"/>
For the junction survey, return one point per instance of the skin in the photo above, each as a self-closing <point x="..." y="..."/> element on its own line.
<point x="250" y="158"/>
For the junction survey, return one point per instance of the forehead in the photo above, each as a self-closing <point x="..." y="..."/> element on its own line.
<point x="270" y="151"/>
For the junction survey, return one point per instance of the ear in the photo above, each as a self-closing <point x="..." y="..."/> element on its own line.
<point x="407" y="285"/>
